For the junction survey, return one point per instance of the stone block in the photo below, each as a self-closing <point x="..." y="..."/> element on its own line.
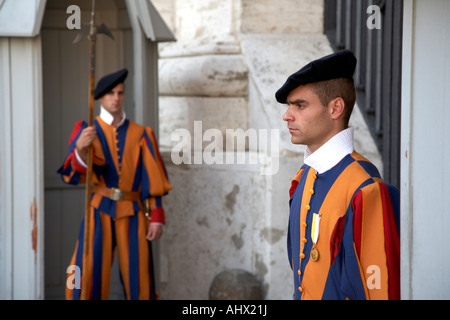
<point x="214" y="113"/>
<point x="204" y="76"/>
<point x="282" y="16"/>
<point x="235" y="284"/>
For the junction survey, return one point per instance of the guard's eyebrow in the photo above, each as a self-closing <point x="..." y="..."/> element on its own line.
<point x="297" y="102"/>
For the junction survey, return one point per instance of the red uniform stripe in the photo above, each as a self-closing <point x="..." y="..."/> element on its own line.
<point x="357" y="221"/>
<point x="392" y="244"/>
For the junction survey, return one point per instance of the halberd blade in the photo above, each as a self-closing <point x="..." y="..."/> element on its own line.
<point x="103" y="29"/>
<point x="84" y="32"/>
<point x="81" y="33"/>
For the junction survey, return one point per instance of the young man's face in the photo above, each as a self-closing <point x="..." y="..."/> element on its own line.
<point x="308" y="121"/>
<point x="113" y="100"/>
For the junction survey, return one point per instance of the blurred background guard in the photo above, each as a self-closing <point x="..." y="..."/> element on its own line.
<point x="129" y="180"/>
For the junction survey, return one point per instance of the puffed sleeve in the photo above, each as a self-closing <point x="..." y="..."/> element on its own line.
<point x="376" y="239"/>
<point x="72" y="171"/>
<point x="155" y="181"/>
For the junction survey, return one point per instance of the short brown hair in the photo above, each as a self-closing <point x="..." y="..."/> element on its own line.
<point x="335" y="88"/>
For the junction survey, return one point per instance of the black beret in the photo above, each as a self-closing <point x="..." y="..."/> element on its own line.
<point x="108" y="82"/>
<point x="340" y="64"/>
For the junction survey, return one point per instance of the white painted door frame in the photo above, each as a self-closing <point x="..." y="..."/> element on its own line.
<point x="21" y="158"/>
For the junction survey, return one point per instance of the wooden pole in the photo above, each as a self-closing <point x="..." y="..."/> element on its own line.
<point x="86" y="271"/>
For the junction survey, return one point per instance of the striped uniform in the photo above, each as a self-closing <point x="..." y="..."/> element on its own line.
<point x="358" y="242"/>
<point x="126" y="158"/>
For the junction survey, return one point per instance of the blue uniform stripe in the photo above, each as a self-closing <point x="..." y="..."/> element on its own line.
<point x="79" y="258"/>
<point x="293" y="246"/>
<point x="97" y="255"/>
<point x="121" y="137"/>
<point x="149" y="143"/>
<point x="145" y="184"/>
<point x="394" y="194"/>
<point x="108" y="206"/>
<point x="108" y="171"/>
<point x="133" y="258"/>
<point x="152" y="276"/>
<point x="158" y="201"/>
<point x="370" y="169"/>
<point x="351" y="283"/>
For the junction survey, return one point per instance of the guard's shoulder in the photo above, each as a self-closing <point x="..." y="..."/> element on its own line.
<point x="295" y="181"/>
<point x="366" y="166"/>
<point x="132" y="125"/>
<point x="140" y="126"/>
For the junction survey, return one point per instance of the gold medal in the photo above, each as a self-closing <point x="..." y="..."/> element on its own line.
<point x="315" y="236"/>
<point x="314" y="254"/>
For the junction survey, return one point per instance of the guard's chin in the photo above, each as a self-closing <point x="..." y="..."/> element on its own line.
<point x="295" y="140"/>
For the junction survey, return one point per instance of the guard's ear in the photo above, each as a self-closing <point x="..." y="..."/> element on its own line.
<point x="336" y="108"/>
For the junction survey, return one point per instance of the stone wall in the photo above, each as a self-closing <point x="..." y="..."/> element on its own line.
<point x="222" y="73"/>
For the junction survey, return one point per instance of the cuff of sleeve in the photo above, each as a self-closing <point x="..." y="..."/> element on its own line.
<point x="77" y="163"/>
<point x="157" y="216"/>
<point x="79" y="160"/>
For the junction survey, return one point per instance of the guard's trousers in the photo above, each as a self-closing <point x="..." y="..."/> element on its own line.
<point x="128" y="235"/>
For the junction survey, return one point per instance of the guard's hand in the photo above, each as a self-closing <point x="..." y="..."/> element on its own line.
<point x="85" y="140"/>
<point x="154" y="232"/>
<point x="86" y="137"/>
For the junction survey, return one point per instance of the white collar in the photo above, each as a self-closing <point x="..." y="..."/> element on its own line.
<point x="108" y="118"/>
<point x="332" y="152"/>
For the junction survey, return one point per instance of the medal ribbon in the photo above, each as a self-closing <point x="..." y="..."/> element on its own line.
<point x="315" y="228"/>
